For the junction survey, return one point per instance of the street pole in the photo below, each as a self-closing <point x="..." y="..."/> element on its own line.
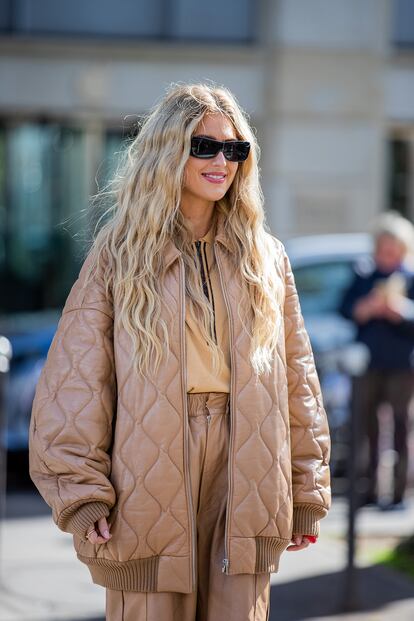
<point x="350" y="590"/>
<point x="354" y="362"/>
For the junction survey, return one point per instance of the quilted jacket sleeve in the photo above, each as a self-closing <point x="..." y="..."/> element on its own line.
<point x="71" y="421"/>
<point x="310" y="439"/>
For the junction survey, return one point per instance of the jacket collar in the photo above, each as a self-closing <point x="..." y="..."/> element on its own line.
<point x="172" y="252"/>
<point x="208" y="237"/>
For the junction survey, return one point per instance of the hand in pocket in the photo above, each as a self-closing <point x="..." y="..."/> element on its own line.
<point x="99" y="531"/>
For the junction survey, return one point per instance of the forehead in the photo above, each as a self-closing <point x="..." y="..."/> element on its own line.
<point x="386" y="239"/>
<point x="216" y="126"/>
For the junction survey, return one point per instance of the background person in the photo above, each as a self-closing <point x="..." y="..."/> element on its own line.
<point x="380" y="301"/>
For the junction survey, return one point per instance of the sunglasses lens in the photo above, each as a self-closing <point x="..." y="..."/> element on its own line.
<point x="204" y="147"/>
<point x="234" y="150"/>
<point x="237" y="151"/>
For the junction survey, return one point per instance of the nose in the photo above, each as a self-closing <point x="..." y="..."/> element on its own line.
<point x="219" y="159"/>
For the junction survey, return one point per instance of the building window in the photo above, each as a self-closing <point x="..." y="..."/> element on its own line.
<point x="47" y="176"/>
<point x="230" y="21"/>
<point x="42" y="192"/>
<point x="403" y="23"/>
<point x="399" y="176"/>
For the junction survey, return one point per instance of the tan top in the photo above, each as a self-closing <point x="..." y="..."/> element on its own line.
<point x="200" y="377"/>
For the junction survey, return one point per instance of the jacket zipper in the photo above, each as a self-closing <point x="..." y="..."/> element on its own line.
<point x="184" y="391"/>
<point x="226" y="559"/>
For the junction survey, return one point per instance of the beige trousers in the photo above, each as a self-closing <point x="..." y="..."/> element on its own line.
<point x="218" y="597"/>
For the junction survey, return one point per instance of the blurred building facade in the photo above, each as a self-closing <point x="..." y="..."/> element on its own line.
<point x="328" y="85"/>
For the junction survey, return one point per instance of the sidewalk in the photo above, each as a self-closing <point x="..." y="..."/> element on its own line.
<point x="311" y="584"/>
<point x="42" y="580"/>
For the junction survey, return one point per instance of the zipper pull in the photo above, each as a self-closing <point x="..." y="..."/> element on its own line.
<point x="225" y="568"/>
<point x="208" y="417"/>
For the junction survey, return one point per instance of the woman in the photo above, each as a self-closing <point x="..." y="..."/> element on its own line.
<point x="178" y="429"/>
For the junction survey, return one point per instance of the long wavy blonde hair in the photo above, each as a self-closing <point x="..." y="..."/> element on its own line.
<point x="145" y="214"/>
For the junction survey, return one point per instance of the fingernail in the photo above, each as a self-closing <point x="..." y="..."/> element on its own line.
<point x="106" y="533"/>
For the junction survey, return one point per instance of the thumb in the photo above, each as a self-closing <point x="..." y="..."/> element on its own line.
<point x="104" y="528"/>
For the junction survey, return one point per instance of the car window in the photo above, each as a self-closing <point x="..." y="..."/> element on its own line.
<point x="321" y="285"/>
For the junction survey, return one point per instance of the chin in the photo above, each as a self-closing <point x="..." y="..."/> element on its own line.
<point x="214" y="196"/>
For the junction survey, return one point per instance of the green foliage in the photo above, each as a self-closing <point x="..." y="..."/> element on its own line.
<point x="400" y="558"/>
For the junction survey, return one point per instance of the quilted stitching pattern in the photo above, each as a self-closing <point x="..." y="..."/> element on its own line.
<point x="135" y="466"/>
<point x="261" y="430"/>
<point x="284" y="427"/>
<point x="308" y="420"/>
<point x="151" y="502"/>
<point x="70" y="428"/>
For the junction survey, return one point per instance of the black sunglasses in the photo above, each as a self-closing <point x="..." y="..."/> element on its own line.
<point x="233" y="150"/>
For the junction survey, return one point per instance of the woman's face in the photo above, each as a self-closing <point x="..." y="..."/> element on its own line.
<point x="209" y="179"/>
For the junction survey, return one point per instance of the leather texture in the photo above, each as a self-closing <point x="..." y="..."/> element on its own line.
<point x="105" y="441"/>
<point x="218" y="597"/>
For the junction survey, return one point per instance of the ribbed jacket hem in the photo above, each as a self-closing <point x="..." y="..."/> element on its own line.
<point x="135" y="575"/>
<point x="249" y="555"/>
<point x="268" y="553"/>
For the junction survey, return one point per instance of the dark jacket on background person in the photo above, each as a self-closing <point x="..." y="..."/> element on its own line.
<point x="391" y="345"/>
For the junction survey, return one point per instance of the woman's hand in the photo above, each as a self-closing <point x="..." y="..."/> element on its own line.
<point x="300" y="542"/>
<point x="100" y="532"/>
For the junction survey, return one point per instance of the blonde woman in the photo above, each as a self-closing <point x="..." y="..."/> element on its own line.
<point x="178" y="429"/>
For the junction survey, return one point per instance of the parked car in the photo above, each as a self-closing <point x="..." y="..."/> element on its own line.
<point x="30" y="342"/>
<point x="323" y="269"/>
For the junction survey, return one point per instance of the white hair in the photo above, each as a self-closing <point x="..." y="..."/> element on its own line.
<point x="392" y="223"/>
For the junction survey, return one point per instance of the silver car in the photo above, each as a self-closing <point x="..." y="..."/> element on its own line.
<point x="323" y="270"/>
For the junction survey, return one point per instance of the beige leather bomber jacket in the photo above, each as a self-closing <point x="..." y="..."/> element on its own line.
<point x="103" y="442"/>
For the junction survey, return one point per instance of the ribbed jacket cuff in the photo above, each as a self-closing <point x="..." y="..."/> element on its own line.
<point x="79" y="520"/>
<point x="306" y="519"/>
